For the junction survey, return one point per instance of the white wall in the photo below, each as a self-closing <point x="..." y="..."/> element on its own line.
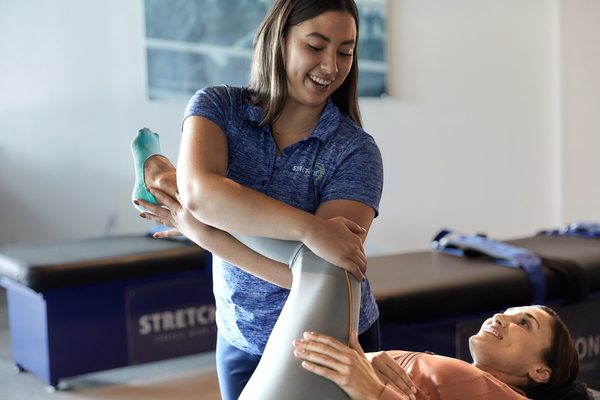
<point x="468" y="138"/>
<point x="580" y="73"/>
<point x="73" y="95"/>
<point x="472" y="136"/>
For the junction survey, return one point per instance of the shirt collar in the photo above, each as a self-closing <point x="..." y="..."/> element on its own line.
<point x="327" y="125"/>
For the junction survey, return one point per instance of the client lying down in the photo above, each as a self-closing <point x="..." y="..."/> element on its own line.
<point x="525" y="352"/>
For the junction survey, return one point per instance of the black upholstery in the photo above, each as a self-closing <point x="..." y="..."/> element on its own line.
<point x="577" y="259"/>
<point x="51" y="265"/>
<point x="426" y="285"/>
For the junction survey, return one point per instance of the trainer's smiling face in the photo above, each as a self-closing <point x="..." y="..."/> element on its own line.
<point x="318" y="57"/>
<point x="513" y="342"/>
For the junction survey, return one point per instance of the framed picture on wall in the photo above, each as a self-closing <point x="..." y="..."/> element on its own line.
<point x="191" y="44"/>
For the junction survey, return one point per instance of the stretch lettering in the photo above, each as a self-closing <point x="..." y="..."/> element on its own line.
<point x="588" y="347"/>
<point x="177" y="319"/>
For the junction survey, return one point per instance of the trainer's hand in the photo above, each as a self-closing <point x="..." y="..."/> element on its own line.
<point x="337" y="241"/>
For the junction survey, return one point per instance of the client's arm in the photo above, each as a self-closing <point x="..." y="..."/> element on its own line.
<point x="346" y="366"/>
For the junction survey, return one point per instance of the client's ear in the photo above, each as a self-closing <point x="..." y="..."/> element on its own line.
<point x="540" y="374"/>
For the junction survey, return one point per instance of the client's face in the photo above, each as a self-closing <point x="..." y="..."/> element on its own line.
<point x="513" y="342"/>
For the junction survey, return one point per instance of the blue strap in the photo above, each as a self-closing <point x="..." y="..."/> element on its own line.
<point x="451" y="242"/>
<point x="585" y="229"/>
<point x="578" y="229"/>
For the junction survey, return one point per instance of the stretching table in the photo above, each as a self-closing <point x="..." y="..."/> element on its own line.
<point x="431" y="301"/>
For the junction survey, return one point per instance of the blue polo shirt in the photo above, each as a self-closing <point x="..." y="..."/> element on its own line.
<point x="338" y="160"/>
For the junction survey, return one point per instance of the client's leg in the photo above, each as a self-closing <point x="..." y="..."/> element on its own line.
<point x="161" y="174"/>
<point x="323" y="298"/>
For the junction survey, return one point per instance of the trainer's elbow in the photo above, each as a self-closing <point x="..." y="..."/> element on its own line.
<point x="193" y="198"/>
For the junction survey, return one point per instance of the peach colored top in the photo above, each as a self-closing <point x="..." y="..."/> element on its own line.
<point x="443" y="378"/>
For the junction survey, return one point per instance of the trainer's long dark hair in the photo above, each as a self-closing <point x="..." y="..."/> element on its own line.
<point x="563" y="361"/>
<point x="268" y="82"/>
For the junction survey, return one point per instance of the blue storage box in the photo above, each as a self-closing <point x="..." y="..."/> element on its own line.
<point x="98" y="304"/>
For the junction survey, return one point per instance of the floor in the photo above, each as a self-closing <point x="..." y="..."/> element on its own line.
<point x="185" y="378"/>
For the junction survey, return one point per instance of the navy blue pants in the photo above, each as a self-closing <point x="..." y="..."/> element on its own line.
<point x="235" y="367"/>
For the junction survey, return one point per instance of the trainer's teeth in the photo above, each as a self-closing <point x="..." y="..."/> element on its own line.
<point x="320" y="81"/>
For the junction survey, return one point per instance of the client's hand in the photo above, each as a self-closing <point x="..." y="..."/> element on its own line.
<point x="392" y="374"/>
<point x="345" y="366"/>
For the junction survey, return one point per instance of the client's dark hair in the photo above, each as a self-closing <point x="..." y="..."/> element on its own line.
<point x="561" y="357"/>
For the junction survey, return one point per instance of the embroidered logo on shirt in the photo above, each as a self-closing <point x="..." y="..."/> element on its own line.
<point x="301" y="169"/>
<point x="318" y="172"/>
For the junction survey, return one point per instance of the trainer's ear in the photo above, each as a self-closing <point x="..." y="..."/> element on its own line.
<point x="540" y="374"/>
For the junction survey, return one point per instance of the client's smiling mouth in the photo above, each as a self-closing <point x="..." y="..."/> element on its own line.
<point x="492" y="331"/>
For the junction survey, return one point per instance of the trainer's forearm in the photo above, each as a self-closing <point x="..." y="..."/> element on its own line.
<point x="213" y="198"/>
<point x="229" y="206"/>
<point x="271" y="262"/>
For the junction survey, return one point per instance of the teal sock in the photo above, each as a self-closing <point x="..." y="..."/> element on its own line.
<point x="143" y="146"/>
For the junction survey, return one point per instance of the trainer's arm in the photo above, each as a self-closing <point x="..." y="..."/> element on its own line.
<point x="227" y="205"/>
<point x="355" y="211"/>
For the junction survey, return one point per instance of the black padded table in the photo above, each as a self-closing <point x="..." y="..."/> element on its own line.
<point x="41" y="267"/>
<point x="580" y="258"/>
<point x="431" y="301"/>
<point x="96" y="304"/>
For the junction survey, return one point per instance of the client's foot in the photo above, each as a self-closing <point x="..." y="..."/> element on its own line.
<point x="159" y="173"/>
<point x="144" y="146"/>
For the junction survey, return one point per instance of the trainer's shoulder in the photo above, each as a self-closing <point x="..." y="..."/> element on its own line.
<point x="233" y="94"/>
<point x="354" y="135"/>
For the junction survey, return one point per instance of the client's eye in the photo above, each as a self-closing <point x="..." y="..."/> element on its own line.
<point x="524" y="322"/>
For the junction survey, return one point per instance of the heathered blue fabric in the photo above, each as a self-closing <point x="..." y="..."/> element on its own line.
<point x="337" y="161"/>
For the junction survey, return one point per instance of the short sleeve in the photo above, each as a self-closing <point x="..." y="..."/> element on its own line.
<point x="359" y="175"/>
<point x="212" y="103"/>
